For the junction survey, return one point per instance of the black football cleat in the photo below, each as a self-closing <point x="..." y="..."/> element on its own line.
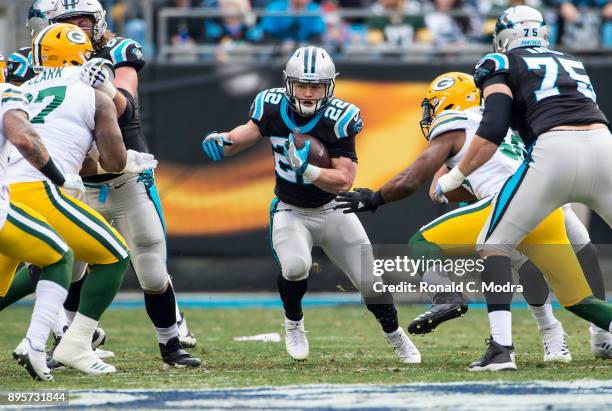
<point x="445" y="307"/>
<point x="175" y="356"/>
<point x="496" y="358"/>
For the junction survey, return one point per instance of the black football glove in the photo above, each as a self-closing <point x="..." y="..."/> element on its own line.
<point x="358" y="201"/>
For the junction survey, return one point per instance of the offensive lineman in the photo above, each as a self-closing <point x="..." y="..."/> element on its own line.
<point x="548" y="98"/>
<point x="130" y="202"/>
<point x="302" y="214"/>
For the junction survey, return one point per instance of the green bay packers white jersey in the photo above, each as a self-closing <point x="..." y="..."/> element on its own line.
<point x="62" y="110"/>
<point x="488" y="179"/>
<point x="11" y="98"/>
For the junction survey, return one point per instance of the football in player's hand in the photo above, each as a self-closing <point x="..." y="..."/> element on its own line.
<point x="318" y="155"/>
<point x="458" y="195"/>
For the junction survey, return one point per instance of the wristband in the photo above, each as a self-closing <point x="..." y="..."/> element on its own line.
<point x="453" y="180"/>
<point x="311" y="172"/>
<point x="377" y="198"/>
<point x="51" y="171"/>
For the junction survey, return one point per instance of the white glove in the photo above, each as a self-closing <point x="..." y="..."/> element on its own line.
<point x="99" y="74"/>
<point x="138" y="162"/>
<point x="73" y="183"/>
<point x="448" y="182"/>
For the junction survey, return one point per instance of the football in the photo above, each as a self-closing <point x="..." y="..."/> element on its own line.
<point x="458" y="195"/>
<point x="318" y="155"/>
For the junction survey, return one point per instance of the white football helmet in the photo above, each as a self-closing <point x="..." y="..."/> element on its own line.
<point x="65" y="9"/>
<point x="37" y="15"/>
<point x="309" y="64"/>
<point x="520" y="26"/>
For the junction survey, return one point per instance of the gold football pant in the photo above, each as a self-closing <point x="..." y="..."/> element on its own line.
<point x="27" y="237"/>
<point x="90" y="236"/>
<point x="547" y="246"/>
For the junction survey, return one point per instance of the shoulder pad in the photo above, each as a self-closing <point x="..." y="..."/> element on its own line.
<point x="123" y="53"/>
<point x="489" y="65"/>
<point x="19" y="65"/>
<point x="345" y="117"/>
<point x="265" y="102"/>
<point x="446" y="121"/>
<point x="12" y="97"/>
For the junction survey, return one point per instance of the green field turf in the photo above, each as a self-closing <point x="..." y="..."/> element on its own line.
<point x="346" y="346"/>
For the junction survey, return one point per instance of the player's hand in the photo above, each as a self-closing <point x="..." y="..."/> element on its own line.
<point x="359" y="200"/>
<point x="99" y="73"/>
<point x="297" y="158"/>
<point x="138" y="162"/>
<point x="73" y="182"/>
<point x="214" y="143"/>
<point x="448" y="182"/>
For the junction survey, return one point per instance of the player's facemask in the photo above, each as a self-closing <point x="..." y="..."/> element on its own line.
<point x="450" y="91"/>
<point x="298" y="104"/>
<point x="60" y="45"/>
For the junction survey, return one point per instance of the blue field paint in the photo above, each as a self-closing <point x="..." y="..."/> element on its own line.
<point x="567" y="395"/>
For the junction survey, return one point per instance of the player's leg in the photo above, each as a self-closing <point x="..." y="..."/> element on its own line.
<point x="291" y="243"/>
<point x="453" y="233"/>
<point x="26" y="236"/>
<point x="347" y="245"/>
<point x="136" y="216"/>
<point x="94" y="241"/>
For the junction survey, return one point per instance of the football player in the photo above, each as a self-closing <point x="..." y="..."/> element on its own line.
<point x="302" y="215"/>
<point x="135" y="209"/>
<point x="548" y="98"/>
<point x="26" y="236"/>
<point x="69" y="116"/>
<point x="451" y="116"/>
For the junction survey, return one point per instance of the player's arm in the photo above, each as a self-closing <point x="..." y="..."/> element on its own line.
<point x="408" y="181"/>
<point x="338" y="178"/>
<point x="432" y="187"/>
<point x="113" y="155"/>
<point x="218" y="145"/>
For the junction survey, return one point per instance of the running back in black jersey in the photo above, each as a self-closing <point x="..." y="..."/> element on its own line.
<point x="549" y="89"/>
<point x="335" y="126"/>
<point x="19" y="66"/>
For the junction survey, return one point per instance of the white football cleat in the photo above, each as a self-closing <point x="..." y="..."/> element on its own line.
<point x="601" y="343"/>
<point x="103" y="354"/>
<point x="295" y="339"/>
<point x="187" y="339"/>
<point x="78" y="354"/>
<point x="405" y="350"/>
<point x="555" y="346"/>
<point x="34" y="361"/>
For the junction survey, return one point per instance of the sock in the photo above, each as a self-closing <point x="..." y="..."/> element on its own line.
<point x="179" y="317"/>
<point x="595" y="311"/>
<point x="543" y="315"/>
<point x="82" y="329"/>
<point x="69" y="315"/>
<point x="74" y="296"/>
<point x="498" y="270"/>
<point x="589" y="262"/>
<point x="49" y="299"/>
<point x="61" y="321"/>
<point x="100" y="288"/>
<point x="501" y="327"/>
<point x="22" y="286"/>
<point x="161" y="309"/>
<point x="535" y="288"/>
<point x="384" y="311"/>
<point x="291" y="294"/>
<point x="393" y="333"/>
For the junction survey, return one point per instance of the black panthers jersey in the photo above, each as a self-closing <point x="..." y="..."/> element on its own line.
<point x="549" y="89"/>
<point x="19" y="66"/>
<point x="335" y="126"/>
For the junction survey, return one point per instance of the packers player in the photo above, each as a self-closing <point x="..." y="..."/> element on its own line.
<point x="548" y="98"/>
<point x="69" y="115"/>
<point x="25" y="235"/>
<point x="454" y="104"/>
<point x="302" y="215"/>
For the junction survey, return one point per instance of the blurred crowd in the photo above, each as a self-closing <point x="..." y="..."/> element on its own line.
<point x="582" y="24"/>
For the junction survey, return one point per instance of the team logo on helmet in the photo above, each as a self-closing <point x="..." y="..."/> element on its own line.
<point x="76" y="37"/>
<point x="70" y="4"/>
<point x="444" y="83"/>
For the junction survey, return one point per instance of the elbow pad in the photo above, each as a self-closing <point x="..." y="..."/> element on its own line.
<point x="496" y="118"/>
<point x="130" y="108"/>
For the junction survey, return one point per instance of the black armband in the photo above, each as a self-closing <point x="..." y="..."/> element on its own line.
<point x="377" y="198"/>
<point x="496" y="118"/>
<point x="52" y="173"/>
<point x="130" y="107"/>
